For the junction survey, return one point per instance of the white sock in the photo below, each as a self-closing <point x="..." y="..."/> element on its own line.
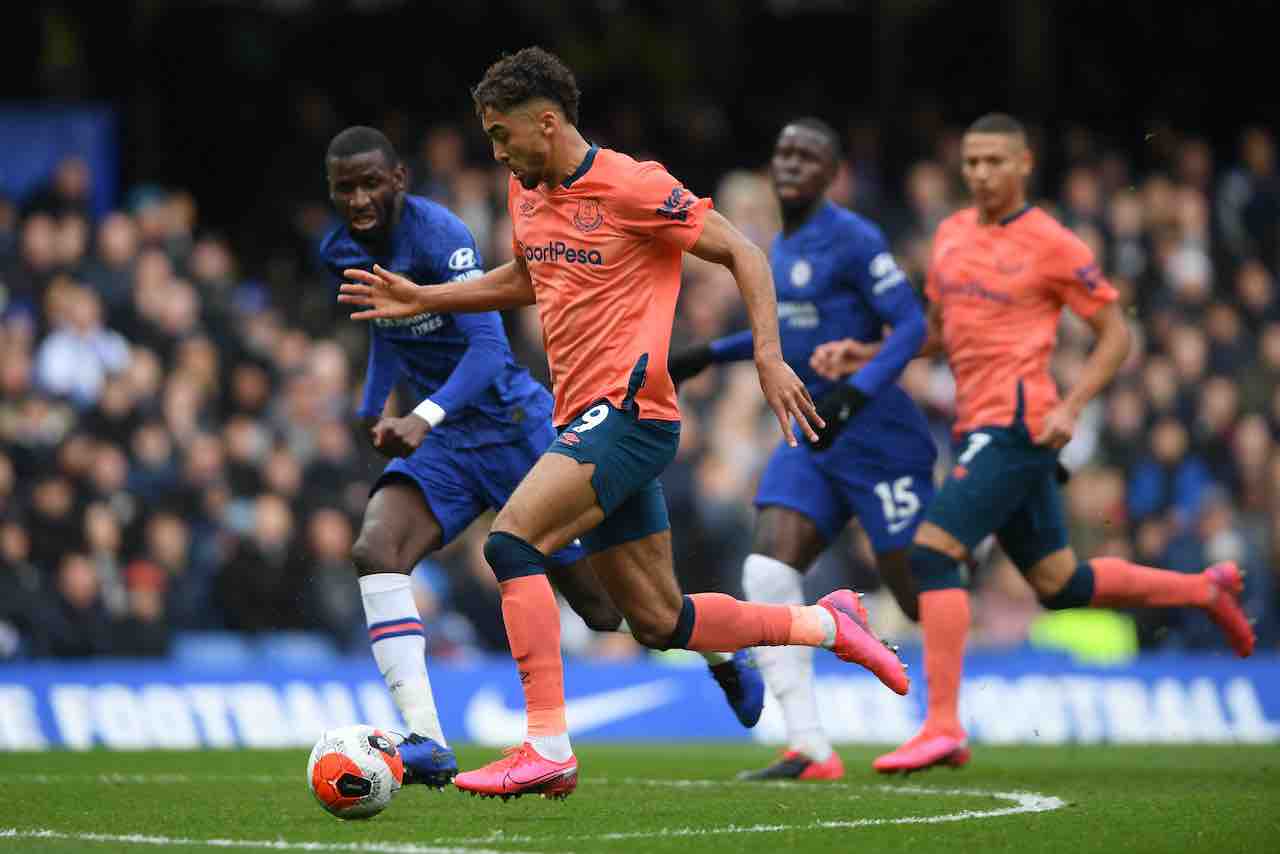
<point x="553" y="747"/>
<point x="712" y="658"/>
<point x="400" y="646"/>
<point x="788" y="670"/>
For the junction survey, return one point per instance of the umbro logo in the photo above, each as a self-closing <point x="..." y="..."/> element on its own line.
<point x="528" y="207"/>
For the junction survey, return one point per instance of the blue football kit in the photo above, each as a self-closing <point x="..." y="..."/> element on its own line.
<point x="497" y="419"/>
<point x="836" y="278"/>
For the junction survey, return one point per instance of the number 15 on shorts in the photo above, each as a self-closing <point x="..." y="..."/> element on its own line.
<point x="899" y="502"/>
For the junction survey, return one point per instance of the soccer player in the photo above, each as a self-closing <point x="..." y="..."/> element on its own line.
<point x="835" y="277"/>
<point x="597" y="241"/>
<point x="480" y="426"/>
<point x="999" y="276"/>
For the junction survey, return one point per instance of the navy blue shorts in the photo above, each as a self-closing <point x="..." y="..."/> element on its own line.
<point x="461" y="483"/>
<point x="629" y="454"/>
<point x="1003" y="484"/>
<point x="832" y="486"/>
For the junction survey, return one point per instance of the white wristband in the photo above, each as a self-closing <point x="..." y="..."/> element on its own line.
<point x="430" y="412"/>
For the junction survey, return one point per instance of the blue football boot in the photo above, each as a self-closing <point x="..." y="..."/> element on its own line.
<point x="427" y="761"/>
<point x="743" y="686"/>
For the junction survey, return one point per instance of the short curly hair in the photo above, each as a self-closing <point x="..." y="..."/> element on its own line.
<point x="527" y="74"/>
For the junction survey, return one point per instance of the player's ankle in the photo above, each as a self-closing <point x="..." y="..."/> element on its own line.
<point x="553" y="748"/>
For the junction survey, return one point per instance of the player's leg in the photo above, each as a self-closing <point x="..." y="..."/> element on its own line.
<point x="399" y="527"/>
<point x="799" y="514"/>
<point x="996" y="470"/>
<point x="785" y="544"/>
<point x="632" y="556"/>
<point x="498" y="471"/>
<point x="553" y="505"/>
<point x="1035" y="539"/>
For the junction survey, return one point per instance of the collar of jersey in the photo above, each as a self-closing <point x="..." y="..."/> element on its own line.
<point x="1011" y="217"/>
<point x="583" y="167"/>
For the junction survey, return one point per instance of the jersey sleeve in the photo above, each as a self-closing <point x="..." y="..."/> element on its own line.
<point x="1074" y="277"/>
<point x="651" y="202"/>
<point x="381" y="373"/>
<point x="454" y="256"/>
<point x="456" y="260"/>
<point x="886" y="290"/>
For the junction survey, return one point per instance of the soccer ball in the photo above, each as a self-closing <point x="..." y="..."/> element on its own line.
<point x="353" y="771"/>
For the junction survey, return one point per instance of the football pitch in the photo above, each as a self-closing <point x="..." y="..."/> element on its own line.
<point x="679" y="798"/>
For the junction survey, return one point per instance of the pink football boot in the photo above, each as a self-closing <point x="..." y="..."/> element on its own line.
<point x="925" y="751"/>
<point x="521" y="771"/>
<point x="855" y="642"/>
<point x="1228" y="583"/>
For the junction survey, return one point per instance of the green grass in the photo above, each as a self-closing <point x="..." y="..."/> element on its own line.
<point x="1132" y="799"/>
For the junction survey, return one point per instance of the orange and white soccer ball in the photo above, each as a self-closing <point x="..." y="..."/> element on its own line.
<point x="353" y="771"/>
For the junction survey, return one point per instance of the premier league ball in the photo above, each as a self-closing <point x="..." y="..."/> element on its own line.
<point x="353" y="771"/>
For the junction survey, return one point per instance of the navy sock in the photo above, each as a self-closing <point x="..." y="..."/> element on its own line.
<point x="1076" y="593"/>
<point x="934" y="570"/>
<point x="511" y="557"/>
<point x="684" y="627"/>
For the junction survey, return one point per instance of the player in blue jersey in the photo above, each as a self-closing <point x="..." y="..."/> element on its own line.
<point x="835" y="278"/>
<point x="481" y="424"/>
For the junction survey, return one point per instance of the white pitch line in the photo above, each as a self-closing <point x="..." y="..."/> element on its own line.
<point x="1021" y="802"/>
<point x="145" y="779"/>
<point x="264" y="844"/>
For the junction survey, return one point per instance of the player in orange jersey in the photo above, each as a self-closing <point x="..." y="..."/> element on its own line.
<point x="1000" y="274"/>
<point x="598" y="239"/>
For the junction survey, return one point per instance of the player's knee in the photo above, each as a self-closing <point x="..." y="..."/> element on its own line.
<point x="511" y="557"/>
<point x="371" y="555"/>
<point x="654" y="624"/>
<point x="598" y="614"/>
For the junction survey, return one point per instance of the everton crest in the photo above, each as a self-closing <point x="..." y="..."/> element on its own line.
<point x="589" y="216"/>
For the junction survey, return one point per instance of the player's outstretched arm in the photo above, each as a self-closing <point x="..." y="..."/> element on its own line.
<point x="384" y="294"/>
<point x="787" y="397"/>
<point x="835" y="360"/>
<point x="1099" y="370"/>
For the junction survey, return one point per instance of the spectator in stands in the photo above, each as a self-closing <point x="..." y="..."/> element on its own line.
<point x="260" y="585"/>
<point x="1169" y="480"/>
<point x="81" y="626"/>
<point x="74" y="361"/>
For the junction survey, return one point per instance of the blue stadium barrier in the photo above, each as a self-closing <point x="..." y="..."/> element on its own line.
<point x="211" y="649"/>
<point x="1016" y="698"/>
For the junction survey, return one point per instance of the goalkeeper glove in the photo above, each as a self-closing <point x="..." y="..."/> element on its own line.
<point x="837" y="408"/>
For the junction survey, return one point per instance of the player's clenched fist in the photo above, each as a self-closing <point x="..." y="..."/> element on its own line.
<point x="788" y="398"/>
<point x="1058" y="427"/>
<point x="385" y="294"/>
<point x="836" y="359"/>
<point x="400" y="437"/>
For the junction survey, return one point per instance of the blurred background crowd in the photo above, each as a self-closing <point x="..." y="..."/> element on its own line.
<point x="177" y="452"/>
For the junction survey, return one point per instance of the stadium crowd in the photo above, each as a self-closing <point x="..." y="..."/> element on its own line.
<point x="178" y="453"/>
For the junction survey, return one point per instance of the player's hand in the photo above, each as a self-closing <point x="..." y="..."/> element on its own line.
<point x="687" y="364"/>
<point x="788" y="398"/>
<point x="400" y="437"/>
<point x="383" y="293"/>
<point x="1058" y="428"/>
<point x="837" y="359"/>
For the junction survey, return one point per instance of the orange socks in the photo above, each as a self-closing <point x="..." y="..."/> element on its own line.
<point x="725" y="624"/>
<point x="944" y="617"/>
<point x="533" y="630"/>
<point x="1119" y="583"/>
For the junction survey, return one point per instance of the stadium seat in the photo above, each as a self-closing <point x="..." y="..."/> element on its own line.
<point x="296" y="648"/>
<point x="211" y="649"/>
